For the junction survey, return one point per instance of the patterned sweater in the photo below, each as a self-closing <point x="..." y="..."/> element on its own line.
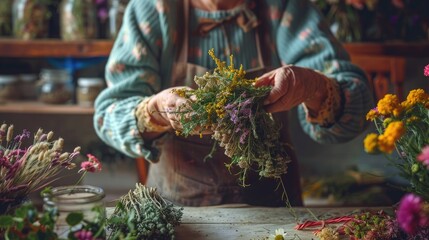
<point x="144" y="52"/>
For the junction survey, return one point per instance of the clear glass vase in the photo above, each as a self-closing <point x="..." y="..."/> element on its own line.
<point x="84" y="199"/>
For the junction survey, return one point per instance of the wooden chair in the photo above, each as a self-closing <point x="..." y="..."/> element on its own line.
<point x="383" y="72"/>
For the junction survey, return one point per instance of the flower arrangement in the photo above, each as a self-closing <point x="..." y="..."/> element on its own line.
<point x="404" y="127"/>
<point x="27" y="169"/>
<point x="229" y="105"/>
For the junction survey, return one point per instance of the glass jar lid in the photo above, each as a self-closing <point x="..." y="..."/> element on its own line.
<point x="74" y="195"/>
<point x="90" y="82"/>
<point x="8" y="79"/>
<point x="28" y="77"/>
<point x="54" y="75"/>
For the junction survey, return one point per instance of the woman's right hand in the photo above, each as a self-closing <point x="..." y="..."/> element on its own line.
<point x="164" y="106"/>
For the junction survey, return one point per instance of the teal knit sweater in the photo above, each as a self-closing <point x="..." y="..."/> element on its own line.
<point x="144" y="52"/>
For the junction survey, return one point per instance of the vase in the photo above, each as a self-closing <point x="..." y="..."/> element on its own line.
<point x="84" y="199"/>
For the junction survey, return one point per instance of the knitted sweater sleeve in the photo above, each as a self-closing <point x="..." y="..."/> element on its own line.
<point x="303" y="38"/>
<point x="132" y="73"/>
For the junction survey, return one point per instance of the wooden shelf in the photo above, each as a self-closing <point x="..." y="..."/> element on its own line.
<point x="101" y="48"/>
<point x="41" y="108"/>
<point x="54" y="48"/>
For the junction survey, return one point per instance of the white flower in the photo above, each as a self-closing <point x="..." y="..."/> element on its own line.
<point x="279" y="234"/>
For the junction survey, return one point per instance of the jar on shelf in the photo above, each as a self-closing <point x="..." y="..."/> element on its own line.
<point x="27" y="86"/>
<point x="84" y="199"/>
<point x="9" y="87"/>
<point x="88" y="90"/>
<point x="78" y="20"/>
<point x="54" y="86"/>
<point x="116" y="14"/>
<point x="30" y="19"/>
<point x="6" y="18"/>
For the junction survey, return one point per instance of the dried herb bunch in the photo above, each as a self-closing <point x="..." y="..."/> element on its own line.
<point x="27" y="169"/>
<point x="229" y="105"/>
<point x="143" y="214"/>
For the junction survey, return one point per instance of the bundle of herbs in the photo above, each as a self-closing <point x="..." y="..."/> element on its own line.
<point x="229" y="105"/>
<point x="143" y="214"/>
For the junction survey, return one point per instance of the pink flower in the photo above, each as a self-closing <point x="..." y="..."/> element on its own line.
<point x="83" y="235"/>
<point x="426" y="71"/>
<point x="424" y="156"/>
<point x="92" y="165"/>
<point x="410" y="214"/>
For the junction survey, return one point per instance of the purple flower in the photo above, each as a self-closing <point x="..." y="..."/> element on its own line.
<point x="25" y="134"/>
<point x="410" y="214"/>
<point x="244" y="135"/>
<point x="103" y="13"/>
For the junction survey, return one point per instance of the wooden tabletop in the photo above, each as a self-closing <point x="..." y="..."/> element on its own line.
<point x="244" y="222"/>
<point x="250" y="223"/>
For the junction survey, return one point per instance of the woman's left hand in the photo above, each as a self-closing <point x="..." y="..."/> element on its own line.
<point x="291" y="86"/>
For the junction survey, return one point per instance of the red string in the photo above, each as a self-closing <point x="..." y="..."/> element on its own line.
<point x="311" y="225"/>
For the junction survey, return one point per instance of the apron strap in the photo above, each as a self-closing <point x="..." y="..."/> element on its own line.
<point x="183" y="22"/>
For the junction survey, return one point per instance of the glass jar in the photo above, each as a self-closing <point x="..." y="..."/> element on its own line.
<point x="9" y="87"/>
<point x="88" y="90"/>
<point x="6" y="17"/>
<point x="84" y="199"/>
<point x="27" y="86"/>
<point x="54" y="86"/>
<point x="30" y="19"/>
<point x="116" y="14"/>
<point x="78" y="20"/>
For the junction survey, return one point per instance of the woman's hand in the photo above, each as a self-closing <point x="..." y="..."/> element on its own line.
<point x="292" y="86"/>
<point x="165" y="106"/>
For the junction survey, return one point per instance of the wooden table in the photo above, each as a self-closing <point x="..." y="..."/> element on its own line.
<point x="249" y="223"/>
<point x="244" y="222"/>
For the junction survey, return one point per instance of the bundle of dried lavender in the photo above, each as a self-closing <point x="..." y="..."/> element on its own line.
<point x="231" y="106"/>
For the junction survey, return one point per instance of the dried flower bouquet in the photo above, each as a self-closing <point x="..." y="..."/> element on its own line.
<point x="27" y="169"/>
<point x="229" y="105"/>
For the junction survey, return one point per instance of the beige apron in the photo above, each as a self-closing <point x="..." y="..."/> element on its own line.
<point x="182" y="176"/>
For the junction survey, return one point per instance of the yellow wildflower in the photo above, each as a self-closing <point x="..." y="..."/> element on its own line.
<point x="371" y="143"/>
<point x="415" y="96"/>
<point x="328" y="233"/>
<point x="386" y="144"/>
<point x="395" y="130"/>
<point x="372" y="114"/>
<point x="389" y="105"/>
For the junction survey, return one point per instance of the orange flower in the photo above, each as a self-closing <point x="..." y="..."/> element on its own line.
<point x="389" y="105"/>
<point x="371" y="143"/>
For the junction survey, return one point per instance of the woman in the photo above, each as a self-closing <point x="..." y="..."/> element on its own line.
<point x="163" y="44"/>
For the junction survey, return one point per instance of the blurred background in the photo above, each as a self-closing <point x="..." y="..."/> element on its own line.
<point x="52" y="59"/>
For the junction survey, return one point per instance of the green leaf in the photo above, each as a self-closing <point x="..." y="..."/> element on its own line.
<point x="6" y="221"/>
<point x="74" y="218"/>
